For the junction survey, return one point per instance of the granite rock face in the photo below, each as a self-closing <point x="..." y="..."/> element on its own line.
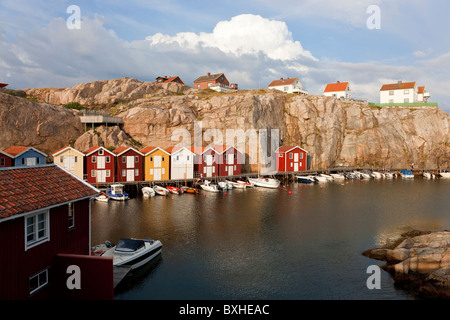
<point x="419" y="262"/>
<point x="334" y="132"/>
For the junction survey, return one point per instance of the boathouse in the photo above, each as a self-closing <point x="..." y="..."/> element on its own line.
<point x="291" y="159"/>
<point x="156" y="163"/>
<point x="26" y="156"/>
<point x="181" y="163"/>
<point x="6" y="160"/>
<point x="100" y="167"/>
<point x="229" y="160"/>
<point x="206" y="162"/>
<point x="45" y="214"/>
<point x="70" y="159"/>
<point x="129" y="164"/>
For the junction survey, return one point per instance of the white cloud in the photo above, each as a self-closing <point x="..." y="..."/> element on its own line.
<point x="242" y="34"/>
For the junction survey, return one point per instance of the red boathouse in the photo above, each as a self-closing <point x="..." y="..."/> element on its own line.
<point x="100" y="167"/>
<point x="291" y="159"/>
<point x="129" y="164"/>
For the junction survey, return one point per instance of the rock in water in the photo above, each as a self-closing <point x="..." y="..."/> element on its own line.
<point x="420" y="263"/>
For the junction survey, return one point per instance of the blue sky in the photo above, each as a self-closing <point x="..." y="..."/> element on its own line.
<point x="252" y="42"/>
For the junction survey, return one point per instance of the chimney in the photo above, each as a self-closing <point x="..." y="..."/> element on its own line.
<point x="208" y="74"/>
<point x="338" y="81"/>
<point x="281" y="78"/>
<point x="399" y="83"/>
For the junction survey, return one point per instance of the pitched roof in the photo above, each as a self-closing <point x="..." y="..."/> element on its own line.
<point x="284" y="149"/>
<point x="147" y="150"/>
<point x="18" y="150"/>
<point x="209" y="77"/>
<point x="173" y="150"/>
<point x="2" y="85"/>
<point x="282" y="82"/>
<point x="93" y="149"/>
<point x="398" y="86"/>
<point x="333" y="87"/>
<point x="6" y="154"/>
<point x="123" y="149"/>
<point x="420" y="90"/>
<point x="25" y="189"/>
<point x="66" y="148"/>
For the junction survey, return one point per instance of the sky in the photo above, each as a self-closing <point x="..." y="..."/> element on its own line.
<point x="365" y="42"/>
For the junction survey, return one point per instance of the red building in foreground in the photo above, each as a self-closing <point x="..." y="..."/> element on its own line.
<point x="291" y="159"/>
<point x="44" y="229"/>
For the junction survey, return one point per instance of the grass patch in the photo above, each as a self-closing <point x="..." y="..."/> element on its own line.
<point x="74" y="105"/>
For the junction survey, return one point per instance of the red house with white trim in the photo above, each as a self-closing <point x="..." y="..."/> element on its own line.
<point x="205" y="162"/>
<point x="229" y="160"/>
<point x="100" y="167"/>
<point x="6" y="160"/>
<point x="291" y="159"/>
<point x="45" y="214"/>
<point x="129" y="164"/>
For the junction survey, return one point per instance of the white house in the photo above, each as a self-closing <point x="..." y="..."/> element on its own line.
<point x="402" y="92"/>
<point x="338" y="90"/>
<point x="181" y="163"/>
<point x="290" y="85"/>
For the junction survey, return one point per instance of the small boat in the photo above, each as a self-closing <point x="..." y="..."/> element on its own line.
<point x="208" y="186"/>
<point x="326" y="176"/>
<point x="407" y="174"/>
<point x="133" y="252"/>
<point x="444" y="174"/>
<point x="223" y="185"/>
<point x="351" y="175"/>
<point x="305" y="179"/>
<point x="116" y="192"/>
<point x="237" y="185"/>
<point x="102" y="197"/>
<point x="161" y="190"/>
<point x="365" y="175"/>
<point x="428" y="175"/>
<point x="249" y="184"/>
<point x="377" y="175"/>
<point x="389" y="175"/>
<point x="174" y="190"/>
<point x="190" y="190"/>
<point x="337" y="176"/>
<point x="148" y="192"/>
<point x="265" y="182"/>
<point x="320" y="178"/>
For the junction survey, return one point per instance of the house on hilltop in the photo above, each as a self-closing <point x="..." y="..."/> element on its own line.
<point x="289" y="85"/>
<point x="403" y="92"/>
<point x="167" y="79"/>
<point x="217" y="82"/>
<point x="338" y="90"/>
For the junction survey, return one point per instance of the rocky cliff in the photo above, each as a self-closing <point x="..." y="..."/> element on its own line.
<point x="334" y="132"/>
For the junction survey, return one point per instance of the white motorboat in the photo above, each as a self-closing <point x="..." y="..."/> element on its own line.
<point x="161" y="190"/>
<point x="222" y="185"/>
<point x="116" y="192"/>
<point x="133" y="252"/>
<point x="237" y="185"/>
<point x="265" y="182"/>
<point x="389" y="175"/>
<point x="377" y="175"/>
<point x="102" y="197"/>
<point x="305" y="179"/>
<point x="428" y="175"/>
<point x="365" y="175"/>
<point x="148" y="192"/>
<point x="407" y="174"/>
<point x="208" y="186"/>
<point x="327" y="176"/>
<point x="337" y="176"/>
<point x="444" y="174"/>
<point x="321" y="179"/>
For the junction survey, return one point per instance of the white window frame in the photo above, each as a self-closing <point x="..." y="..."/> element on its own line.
<point x="71" y="215"/>
<point x="37" y="240"/>
<point x="42" y="282"/>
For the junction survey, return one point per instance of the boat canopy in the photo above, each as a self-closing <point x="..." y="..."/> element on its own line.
<point x="129" y="245"/>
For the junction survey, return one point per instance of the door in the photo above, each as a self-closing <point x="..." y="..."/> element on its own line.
<point x="130" y="175"/>
<point x="157" y="161"/>
<point x="101" y="175"/>
<point x="68" y="162"/>
<point x="30" y="161"/>
<point x="130" y="161"/>
<point x="209" y="171"/>
<point x="100" y="162"/>
<point x="157" y="174"/>
<point x="230" y="170"/>
<point x="295" y="166"/>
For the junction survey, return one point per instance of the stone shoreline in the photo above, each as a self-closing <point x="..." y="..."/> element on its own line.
<point x="419" y="262"/>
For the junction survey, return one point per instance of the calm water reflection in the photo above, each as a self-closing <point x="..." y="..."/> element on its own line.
<point x="272" y="244"/>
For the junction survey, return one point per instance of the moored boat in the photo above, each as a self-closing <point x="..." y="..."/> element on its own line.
<point x="444" y="174"/>
<point x="305" y="179"/>
<point x="428" y="175"/>
<point x="320" y="178"/>
<point x="337" y="176"/>
<point x="265" y="182"/>
<point x="148" y="192"/>
<point x="237" y="185"/>
<point x="407" y="174"/>
<point x="174" y="190"/>
<point x="102" y="197"/>
<point x="133" y="252"/>
<point x="208" y="186"/>
<point x="116" y="192"/>
<point x="190" y="190"/>
<point x="161" y="190"/>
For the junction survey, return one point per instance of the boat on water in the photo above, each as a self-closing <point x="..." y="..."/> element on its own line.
<point x="225" y="185"/>
<point x="321" y="179"/>
<point x="237" y="185"/>
<point x="116" y="192"/>
<point x="174" y="190"/>
<point x="192" y="190"/>
<point x="148" y="192"/>
<point x="133" y="252"/>
<point x="444" y="174"/>
<point x="305" y="179"/>
<point x="327" y="176"/>
<point x="102" y="197"/>
<point x="265" y="182"/>
<point x="377" y="175"/>
<point x="161" y="190"/>
<point x="208" y="186"/>
<point x="365" y="175"/>
<point x="428" y="175"/>
<point x="389" y="175"/>
<point x="337" y="176"/>
<point x="407" y="174"/>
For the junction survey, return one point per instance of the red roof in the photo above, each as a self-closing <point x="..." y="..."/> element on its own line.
<point x="398" y="86"/>
<point x="284" y="149"/>
<point x="2" y="85"/>
<point x="282" y="82"/>
<point x="420" y="90"/>
<point x="26" y="189"/>
<point x="209" y="77"/>
<point x="15" y="150"/>
<point x="93" y="149"/>
<point x="147" y="150"/>
<point x="334" y="87"/>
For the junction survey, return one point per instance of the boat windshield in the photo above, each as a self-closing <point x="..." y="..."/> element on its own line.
<point x="129" y="245"/>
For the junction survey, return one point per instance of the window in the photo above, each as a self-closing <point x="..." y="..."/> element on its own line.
<point x="100" y="152"/>
<point x="301" y="155"/>
<point x="2" y="162"/>
<point x="107" y="159"/>
<point x="136" y="159"/>
<point x="281" y="155"/>
<point x="36" y="229"/>
<point x="391" y="93"/>
<point x="108" y="173"/>
<point x="71" y="215"/>
<point x="38" y="281"/>
<point x="391" y="100"/>
<point x="151" y="158"/>
<point x="187" y="158"/>
<point x="76" y="158"/>
<point x="286" y="88"/>
<point x="124" y="159"/>
<point x="406" y="100"/>
<point x="124" y="173"/>
<point x="178" y="158"/>
<point x="61" y="159"/>
<point x="291" y="156"/>
<point x="23" y="161"/>
<point x="406" y="91"/>
<point x="93" y="173"/>
<point x="38" y="160"/>
<point x="94" y="159"/>
<point x="162" y="158"/>
<point x="136" y="172"/>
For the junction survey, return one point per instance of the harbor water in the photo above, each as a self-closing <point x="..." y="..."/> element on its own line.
<point x="298" y="242"/>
